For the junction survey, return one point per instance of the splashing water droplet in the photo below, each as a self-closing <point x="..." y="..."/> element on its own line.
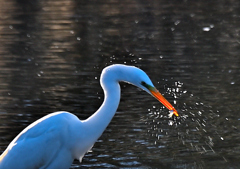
<point x="206" y="29"/>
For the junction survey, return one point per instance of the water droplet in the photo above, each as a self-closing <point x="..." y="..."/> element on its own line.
<point x="177" y="22"/>
<point x="211" y="26"/>
<point x="170" y="123"/>
<point x="206" y="29"/>
<point x="192" y="14"/>
<point x="177" y="90"/>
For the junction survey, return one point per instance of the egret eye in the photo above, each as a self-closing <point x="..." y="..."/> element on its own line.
<point x="144" y="84"/>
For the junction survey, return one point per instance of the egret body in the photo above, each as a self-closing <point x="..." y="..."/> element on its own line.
<point x="55" y="140"/>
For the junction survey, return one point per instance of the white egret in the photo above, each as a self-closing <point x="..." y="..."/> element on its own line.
<point x="55" y="140"/>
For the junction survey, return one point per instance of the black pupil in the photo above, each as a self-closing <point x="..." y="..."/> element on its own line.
<point x="143" y="83"/>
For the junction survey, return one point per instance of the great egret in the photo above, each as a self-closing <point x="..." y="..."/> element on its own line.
<point x="55" y="140"/>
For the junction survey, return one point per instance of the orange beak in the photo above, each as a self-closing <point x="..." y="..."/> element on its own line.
<point x="160" y="98"/>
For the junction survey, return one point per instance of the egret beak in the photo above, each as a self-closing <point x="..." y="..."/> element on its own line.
<point x="160" y="98"/>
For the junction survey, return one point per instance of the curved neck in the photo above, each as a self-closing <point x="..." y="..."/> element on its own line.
<point x="97" y="123"/>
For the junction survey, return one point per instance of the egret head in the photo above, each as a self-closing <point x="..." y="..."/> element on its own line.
<point x="139" y="78"/>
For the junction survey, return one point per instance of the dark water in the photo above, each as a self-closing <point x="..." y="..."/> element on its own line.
<point x="52" y="54"/>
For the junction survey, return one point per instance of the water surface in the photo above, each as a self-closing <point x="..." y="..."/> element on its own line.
<point x="52" y="54"/>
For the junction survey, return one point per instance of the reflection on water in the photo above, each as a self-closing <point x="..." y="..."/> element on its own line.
<point x="52" y="53"/>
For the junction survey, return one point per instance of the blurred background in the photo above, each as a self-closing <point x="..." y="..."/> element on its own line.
<point x="52" y="53"/>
